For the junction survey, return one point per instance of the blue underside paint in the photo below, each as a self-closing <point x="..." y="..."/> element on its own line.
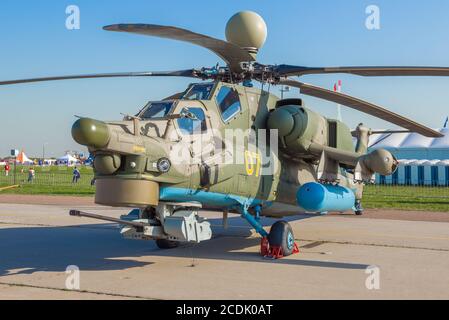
<point x="316" y="197"/>
<point x="218" y="200"/>
<point x="254" y="223"/>
<point x="210" y="199"/>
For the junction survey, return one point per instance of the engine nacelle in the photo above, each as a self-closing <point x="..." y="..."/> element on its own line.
<point x="299" y="127"/>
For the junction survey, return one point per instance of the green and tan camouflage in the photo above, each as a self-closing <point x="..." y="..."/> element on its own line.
<point x="229" y="144"/>
<point x="130" y="150"/>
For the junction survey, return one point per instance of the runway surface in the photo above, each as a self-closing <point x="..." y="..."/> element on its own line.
<point x="38" y="242"/>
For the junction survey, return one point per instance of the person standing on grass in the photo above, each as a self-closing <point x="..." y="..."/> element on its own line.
<point x="7" y="168"/>
<point x="76" y="175"/>
<point x="31" y="174"/>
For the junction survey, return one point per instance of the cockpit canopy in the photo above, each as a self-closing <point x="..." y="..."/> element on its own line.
<point x="198" y="91"/>
<point x="161" y="109"/>
<point x="156" y="110"/>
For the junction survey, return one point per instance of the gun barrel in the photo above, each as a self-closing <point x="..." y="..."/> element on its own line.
<point x="78" y="213"/>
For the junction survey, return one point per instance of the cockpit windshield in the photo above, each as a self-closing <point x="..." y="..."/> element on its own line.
<point x="199" y="91"/>
<point x="156" y="109"/>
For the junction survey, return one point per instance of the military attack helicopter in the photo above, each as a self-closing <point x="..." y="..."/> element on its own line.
<point x="202" y="148"/>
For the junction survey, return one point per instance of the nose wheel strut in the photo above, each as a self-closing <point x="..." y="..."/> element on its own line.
<point x="279" y="242"/>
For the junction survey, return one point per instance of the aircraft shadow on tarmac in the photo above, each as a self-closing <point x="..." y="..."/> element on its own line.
<point x="26" y="250"/>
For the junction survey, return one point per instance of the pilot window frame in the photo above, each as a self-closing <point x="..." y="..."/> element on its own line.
<point x="212" y="86"/>
<point x="204" y="128"/>
<point x="232" y="116"/>
<point x="141" y="113"/>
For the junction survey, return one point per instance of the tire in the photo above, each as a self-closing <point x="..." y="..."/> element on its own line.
<point x="166" y="244"/>
<point x="358" y="213"/>
<point x="281" y="235"/>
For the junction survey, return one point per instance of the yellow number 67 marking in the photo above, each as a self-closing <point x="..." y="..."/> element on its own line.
<point x="252" y="163"/>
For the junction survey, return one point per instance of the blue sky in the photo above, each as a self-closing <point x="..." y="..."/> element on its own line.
<point x="35" y="42"/>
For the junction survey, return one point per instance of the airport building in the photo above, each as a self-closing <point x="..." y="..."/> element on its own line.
<point x="422" y="160"/>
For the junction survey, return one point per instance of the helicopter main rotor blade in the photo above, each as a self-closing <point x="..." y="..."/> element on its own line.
<point x="233" y="55"/>
<point x="182" y="73"/>
<point x="363" y="106"/>
<point x="284" y="70"/>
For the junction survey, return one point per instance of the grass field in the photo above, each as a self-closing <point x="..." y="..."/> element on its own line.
<point x="58" y="181"/>
<point x="73" y="190"/>
<point x="407" y="197"/>
<point x="55" y="180"/>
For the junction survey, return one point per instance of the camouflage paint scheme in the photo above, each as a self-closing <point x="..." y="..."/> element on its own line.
<point x="229" y="185"/>
<point x="156" y="161"/>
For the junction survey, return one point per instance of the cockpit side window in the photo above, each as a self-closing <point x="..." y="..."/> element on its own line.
<point x="156" y="110"/>
<point x="229" y="102"/>
<point x="190" y="126"/>
<point x="200" y="91"/>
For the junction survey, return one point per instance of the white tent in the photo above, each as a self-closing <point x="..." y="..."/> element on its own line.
<point x="441" y="142"/>
<point x="422" y="160"/>
<point x="443" y="163"/>
<point x="68" y="160"/>
<point x="412" y="145"/>
<point x="431" y="162"/>
<point x="49" y="162"/>
<point x="23" y="159"/>
<point x="419" y="172"/>
<point x="418" y="162"/>
<point x="387" y="140"/>
<point x="406" y="162"/>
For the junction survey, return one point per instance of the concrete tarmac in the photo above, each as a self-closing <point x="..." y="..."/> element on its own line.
<point x="38" y="242"/>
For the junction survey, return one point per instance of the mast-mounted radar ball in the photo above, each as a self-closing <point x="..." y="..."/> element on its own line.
<point x="247" y="30"/>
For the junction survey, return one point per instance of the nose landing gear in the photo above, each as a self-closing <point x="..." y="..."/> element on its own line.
<point x="279" y="242"/>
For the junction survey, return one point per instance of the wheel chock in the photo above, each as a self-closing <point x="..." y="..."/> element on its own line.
<point x="274" y="252"/>
<point x="264" y="247"/>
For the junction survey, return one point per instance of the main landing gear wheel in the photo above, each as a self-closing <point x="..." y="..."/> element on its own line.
<point x="282" y="240"/>
<point x="166" y="244"/>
